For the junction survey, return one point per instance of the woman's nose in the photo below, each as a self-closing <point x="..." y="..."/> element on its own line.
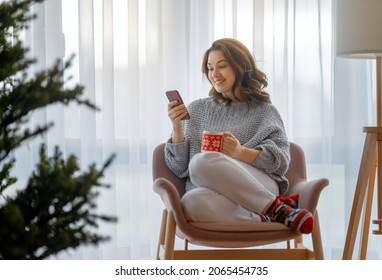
<point x="215" y="73"/>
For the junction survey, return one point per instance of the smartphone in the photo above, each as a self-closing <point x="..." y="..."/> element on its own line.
<point x="175" y="95"/>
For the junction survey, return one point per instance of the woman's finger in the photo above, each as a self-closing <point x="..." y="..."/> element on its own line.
<point x="171" y="105"/>
<point x="177" y="113"/>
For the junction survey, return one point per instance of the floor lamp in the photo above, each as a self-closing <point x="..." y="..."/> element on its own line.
<point x="359" y="35"/>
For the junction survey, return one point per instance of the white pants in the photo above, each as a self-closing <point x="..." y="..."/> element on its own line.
<point x="228" y="190"/>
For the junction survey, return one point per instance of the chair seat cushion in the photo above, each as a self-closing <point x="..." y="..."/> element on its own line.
<point x="240" y="226"/>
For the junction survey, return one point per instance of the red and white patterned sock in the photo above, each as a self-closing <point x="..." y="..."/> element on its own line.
<point x="299" y="220"/>
<point x="291" y="200"/>
<point x="265" y="218"/>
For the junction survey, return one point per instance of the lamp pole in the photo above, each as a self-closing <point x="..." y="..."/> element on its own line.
<point x="379" y="123"/>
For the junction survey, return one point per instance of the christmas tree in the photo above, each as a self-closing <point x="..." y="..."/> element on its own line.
<point x="56" y="210"/>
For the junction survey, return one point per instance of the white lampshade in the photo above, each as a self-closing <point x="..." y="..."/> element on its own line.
<point x="359" y="28"/>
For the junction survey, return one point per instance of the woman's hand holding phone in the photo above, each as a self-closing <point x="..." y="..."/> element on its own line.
<point x="177" y="112"/>
<point x="177" y="108"/>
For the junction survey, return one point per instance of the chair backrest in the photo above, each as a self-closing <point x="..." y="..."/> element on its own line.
<point x="296" y="171"/>
<point x="160" y="169"/>
<point x="297" y="166"/>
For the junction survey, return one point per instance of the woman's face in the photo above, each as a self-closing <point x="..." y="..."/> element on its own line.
<point x="221" y="74"/>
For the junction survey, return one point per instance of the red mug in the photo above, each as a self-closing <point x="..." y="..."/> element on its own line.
<point x="212" y="141"/>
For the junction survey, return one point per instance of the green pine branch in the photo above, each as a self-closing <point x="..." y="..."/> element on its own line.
<point x="57" y="209"/>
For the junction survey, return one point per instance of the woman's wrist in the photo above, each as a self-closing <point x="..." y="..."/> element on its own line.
<point x="177" y="136"/>
<point x="249" y="155"/>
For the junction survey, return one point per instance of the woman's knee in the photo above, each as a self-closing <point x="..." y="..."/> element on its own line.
<point x="197" y="205"/>
<point x="205" y="205"/>
<point x="202" y="166"/>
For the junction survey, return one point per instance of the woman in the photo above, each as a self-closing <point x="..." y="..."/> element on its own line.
<point x="245" y="181"/>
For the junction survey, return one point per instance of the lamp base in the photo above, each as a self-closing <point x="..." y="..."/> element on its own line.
<point x="371" y="160"/>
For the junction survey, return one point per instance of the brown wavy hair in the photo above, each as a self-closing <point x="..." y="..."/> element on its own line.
<point x="250" y="81"/>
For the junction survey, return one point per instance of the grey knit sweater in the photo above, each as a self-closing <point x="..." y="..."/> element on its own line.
<point x="254" y="126"/>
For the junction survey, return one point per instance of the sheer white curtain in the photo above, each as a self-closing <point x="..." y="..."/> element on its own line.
<point x="129" y="52"/>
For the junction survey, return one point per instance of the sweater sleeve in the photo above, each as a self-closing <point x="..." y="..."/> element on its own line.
<point x="178" y="155"/>
<point x="274" y="157"/>
<point x="274" y="145"/>
<point x="176" y="158"/>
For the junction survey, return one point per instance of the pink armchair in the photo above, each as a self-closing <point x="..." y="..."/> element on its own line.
<point x="239" y="240"/>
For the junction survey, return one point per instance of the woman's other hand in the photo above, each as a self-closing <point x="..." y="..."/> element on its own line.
<point x="232" y="147"/>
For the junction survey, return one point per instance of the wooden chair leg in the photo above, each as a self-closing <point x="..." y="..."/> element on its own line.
<point x="298" y="242"/>
<point x="162" y="233"/>
<point x="169" y="237"/>
<point x="316" y="239"/>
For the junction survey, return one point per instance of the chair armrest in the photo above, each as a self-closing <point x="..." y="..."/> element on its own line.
<point x="309" y="192"/>
<point x="170" y="197"/>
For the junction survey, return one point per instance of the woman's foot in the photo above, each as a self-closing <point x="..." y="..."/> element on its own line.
<point x="299" y="220"/>
<point x="291" y="200"/>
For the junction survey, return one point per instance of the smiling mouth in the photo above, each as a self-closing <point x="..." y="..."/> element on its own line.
<point x="218" y="82"/>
